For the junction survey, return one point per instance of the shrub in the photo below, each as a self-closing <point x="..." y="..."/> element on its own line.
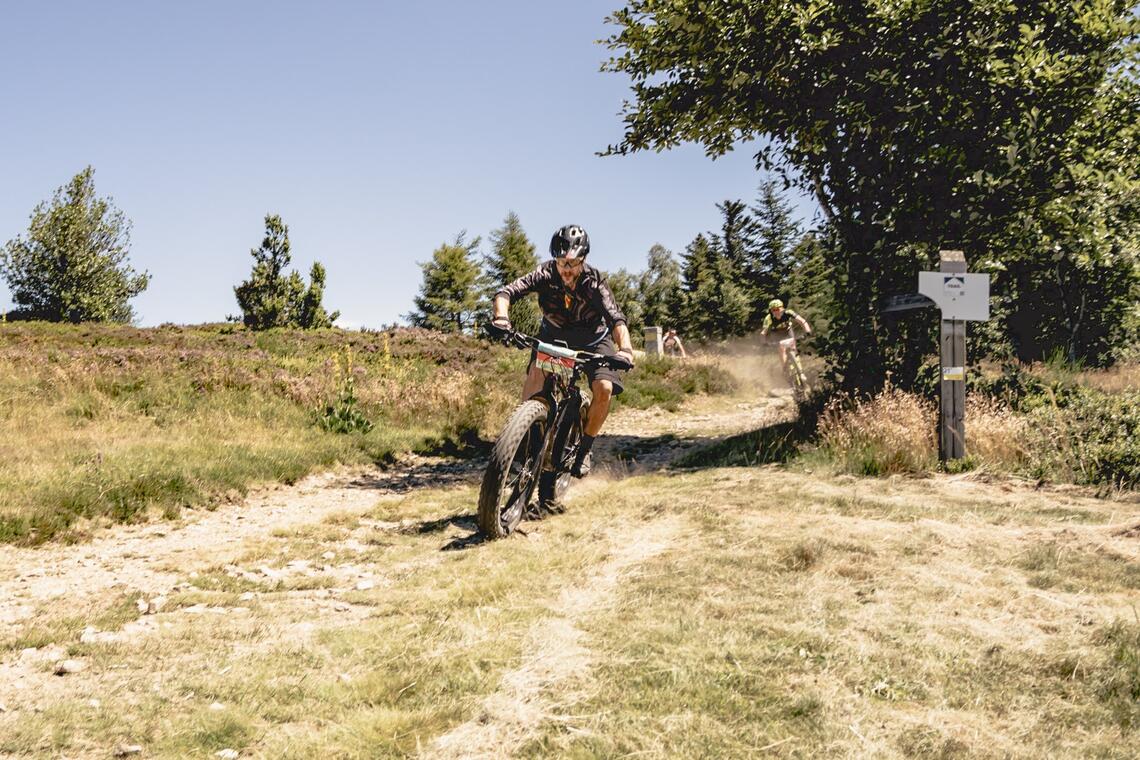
<point x="1088" y="437"/>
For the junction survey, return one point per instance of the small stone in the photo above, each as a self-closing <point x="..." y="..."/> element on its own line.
<point x="142" y="605"/>
<point x="94" y="703"/>
<point x="64" y="667"/>
<point x="248" y="596"/>
<point x="3" y="707"/>
<point x="364" y="585"/>
<point x="126" y="750"/>
<point x="89" y="636"/>
<point x="193" y="575"/>
<point x="345" y="678"/>
<point x="341" y="607"/>
<point x="328" y="555"/>
<point x="215" y="706"/>
<point x="227" y="754"/>
<point x="155" y="605"/>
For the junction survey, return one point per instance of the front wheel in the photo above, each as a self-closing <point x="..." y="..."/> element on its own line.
<point x="796" y="377"/>
<point x="555" y="476"/>
<point x="512" y="473"/>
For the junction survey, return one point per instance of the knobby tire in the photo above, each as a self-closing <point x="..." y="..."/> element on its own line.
<point x="508" y="484"/>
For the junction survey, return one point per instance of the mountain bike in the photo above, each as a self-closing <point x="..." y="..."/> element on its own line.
<point x="540" y="440"/>
<point x="793" y="370"/>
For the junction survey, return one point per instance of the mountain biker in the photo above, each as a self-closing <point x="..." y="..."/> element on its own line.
<point x="578" y="308"/>
<point x="780" y="321"/>
<point x="672" y="345"/>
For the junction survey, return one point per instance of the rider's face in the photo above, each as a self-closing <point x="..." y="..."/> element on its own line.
<point x="776" y="312"/>
<point x="569" y="270"/>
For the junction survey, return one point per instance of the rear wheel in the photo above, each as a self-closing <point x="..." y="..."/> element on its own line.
<point x="512" y="473"/>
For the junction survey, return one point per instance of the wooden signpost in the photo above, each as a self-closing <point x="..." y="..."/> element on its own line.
<point x="961" y="296"/>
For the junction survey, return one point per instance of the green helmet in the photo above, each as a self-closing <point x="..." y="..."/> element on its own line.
<point x="775" y="303"/>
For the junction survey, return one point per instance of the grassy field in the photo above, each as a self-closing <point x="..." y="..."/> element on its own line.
<point x="103" y="424"/>
<point x="727" y="612"/>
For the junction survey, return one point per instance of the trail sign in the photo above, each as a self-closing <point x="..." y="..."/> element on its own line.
<point x="960" y="295"/>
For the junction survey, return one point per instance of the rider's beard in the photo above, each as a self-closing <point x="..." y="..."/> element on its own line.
<point x="570" y="279"/>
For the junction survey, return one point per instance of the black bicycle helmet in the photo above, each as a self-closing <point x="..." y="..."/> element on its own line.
<point x="571" y="241"/>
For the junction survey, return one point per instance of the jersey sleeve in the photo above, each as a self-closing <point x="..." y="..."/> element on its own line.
<point x="607" y="304"/>
<point x="528" y="283"/>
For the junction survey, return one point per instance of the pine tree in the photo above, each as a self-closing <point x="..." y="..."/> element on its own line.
<point x="270" y="298"/>
<point x="769" y="266"/>
<point x="660" y="289"/>
<point x="513" y="255"/>
<point x="450" y="295"/>
<point x="313" y="315"/>
<point x="72" y="267"/>
<point x="715" y="306"/>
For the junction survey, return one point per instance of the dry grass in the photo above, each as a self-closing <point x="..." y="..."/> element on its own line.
<point x="997" y="436"/>
<point x="809" y="616"/>
<point x="891" y="432"/>
<point x="106" y="423"/>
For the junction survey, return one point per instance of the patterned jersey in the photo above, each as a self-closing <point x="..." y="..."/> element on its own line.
<point x="589" y="306"/>
<point x="785" y="323"/>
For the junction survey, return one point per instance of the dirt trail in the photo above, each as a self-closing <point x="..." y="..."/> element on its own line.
<point x="152" y="558"/>
<point x="554" y="652"/>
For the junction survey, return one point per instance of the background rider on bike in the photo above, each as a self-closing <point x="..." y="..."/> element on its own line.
<point x="780" y="322"/>
<point x="578" y="308"/>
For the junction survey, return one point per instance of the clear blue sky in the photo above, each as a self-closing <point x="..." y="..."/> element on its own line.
<point x="377" y="130"/>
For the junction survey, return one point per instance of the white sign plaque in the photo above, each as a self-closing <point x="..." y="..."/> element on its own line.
<point x="960" y="295"/>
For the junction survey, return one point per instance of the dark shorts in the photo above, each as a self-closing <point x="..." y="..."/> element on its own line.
<point x="584" y="341"/>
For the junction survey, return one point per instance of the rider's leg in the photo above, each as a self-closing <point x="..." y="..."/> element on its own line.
<point x="535" y="378"/>
<point x="602" y="391"/>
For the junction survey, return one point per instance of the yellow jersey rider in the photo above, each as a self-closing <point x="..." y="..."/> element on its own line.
<point x="781" y="323"/>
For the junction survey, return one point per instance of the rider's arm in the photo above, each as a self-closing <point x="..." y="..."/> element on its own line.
<point x="680" y="346"/>
<point x="621" y="337"/>
<point x="508" y="294"/>
<point x="803" y="324"/>
<point x="502" y="307"/>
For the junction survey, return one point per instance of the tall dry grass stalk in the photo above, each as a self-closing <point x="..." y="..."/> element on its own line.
<point x="996" y="436"/>
<point x="891" y="432"/>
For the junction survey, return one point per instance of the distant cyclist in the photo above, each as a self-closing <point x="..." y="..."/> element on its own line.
<point x="578" y="308"/>
<point x="672" y="345"/>
<point x="781" y="323"/>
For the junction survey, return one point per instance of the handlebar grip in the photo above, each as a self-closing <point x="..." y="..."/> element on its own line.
<point x="618" y="363"/>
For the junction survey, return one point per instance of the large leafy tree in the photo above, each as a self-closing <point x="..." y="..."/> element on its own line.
<point x="450" y="295"/>
<point x="513" y="255"/>
<point x="72" y="267"/>
<point x="917" y="125"/>
<point x="271" y="297"/>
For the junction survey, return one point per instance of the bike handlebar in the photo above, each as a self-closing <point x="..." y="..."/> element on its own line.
<point x="518" y="339"/>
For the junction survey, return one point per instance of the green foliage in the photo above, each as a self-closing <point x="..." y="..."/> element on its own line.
<point x="449" y="298"/>
<point x="512" y="256"/>
<point x="270" y="298"/>
<point x="1008" y="131"/>
<point x="659" y="289"/>
<point x="624" y="286"/>
<point x="72" y="266"/>
<point x="1088" y="436"/>
<point x="343" y="414"/>
<point x="662" y="383"/>
<point x="714" y="304"/>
